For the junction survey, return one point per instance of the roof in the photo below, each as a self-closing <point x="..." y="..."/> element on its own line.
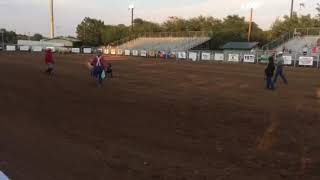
<point x="240" y="45"/>
<point x="71" y="39"/>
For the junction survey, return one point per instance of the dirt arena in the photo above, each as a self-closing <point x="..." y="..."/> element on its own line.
<point x="156" y="120"/>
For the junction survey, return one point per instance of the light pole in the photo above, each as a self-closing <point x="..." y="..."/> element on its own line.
<point x="131" y="8"/>
<point x="2" y="32"/>
<point x="291" y="11"/>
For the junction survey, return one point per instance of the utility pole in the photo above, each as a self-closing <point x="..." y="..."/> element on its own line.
<point x="250" y="25"/>
<point x="291" y="11"/>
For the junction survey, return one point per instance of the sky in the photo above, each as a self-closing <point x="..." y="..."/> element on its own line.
<point x="32" y="16"/>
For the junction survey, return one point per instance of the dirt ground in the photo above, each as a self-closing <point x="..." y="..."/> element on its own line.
<point x="156" y="120"/>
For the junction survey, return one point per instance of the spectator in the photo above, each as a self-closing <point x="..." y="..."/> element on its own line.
<point x="305" y="50"/>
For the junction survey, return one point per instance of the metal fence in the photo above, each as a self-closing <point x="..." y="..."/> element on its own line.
<point x="294" y="59"/>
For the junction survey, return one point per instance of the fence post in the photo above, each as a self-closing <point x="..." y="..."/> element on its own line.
<point x="317" y="61"/>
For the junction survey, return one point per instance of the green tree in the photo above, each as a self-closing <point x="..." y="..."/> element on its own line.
<point x="37" y="37"/>
<point x="90" y="31"/>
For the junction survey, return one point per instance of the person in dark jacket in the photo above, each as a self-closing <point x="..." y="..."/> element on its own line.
<point x="109" y="70"/>
<point x="269" y="72"/>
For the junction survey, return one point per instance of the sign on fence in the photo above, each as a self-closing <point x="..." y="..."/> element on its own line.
<point x="24" y="48"/>
<point x="182" y="55"/>
<point x="306" y="61"/>
<point x="113" y="51"/>
<point x="152" y="53"/>
<point x="11" y="48"/>
<point x="75" y="50"/>
<point x="264" y="58"/>
<point x="87" y="50"/>
<point x="143" y="53"/>
<point x="233" y="58"/>
<point x="36" y="48"/>
<point x="249" y="58"/>
<point x="206" y="56"/>
<point x="193" y="56"/>
<point x="219" y="57"/>
<point x="287" y="60"/>
<point x="127" y="52"/>
<point x="106" y="51"/>
<point x="135" y="53"/>
<point x="120" y="52"/>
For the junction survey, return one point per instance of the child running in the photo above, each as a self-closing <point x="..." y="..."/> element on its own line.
<point x="49" y="62"/>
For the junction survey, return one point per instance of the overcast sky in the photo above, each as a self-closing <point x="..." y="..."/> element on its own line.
<point x="31" y="16"/>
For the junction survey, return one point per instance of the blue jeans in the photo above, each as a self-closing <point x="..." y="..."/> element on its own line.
<point x="270" y="84"/>
<point x="97" y="71"/>
<point x="281" y="74"/>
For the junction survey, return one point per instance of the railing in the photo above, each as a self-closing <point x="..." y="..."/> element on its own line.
<point x="298" y="32"/>
<point x="277" y="42"/>
<point x="313" y="31"/>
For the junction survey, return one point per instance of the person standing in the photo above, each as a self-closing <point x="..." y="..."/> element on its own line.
<point x="280" y="69"/>
<point x="269" y="72"/>
<point x="49" y="62"/>
<point x="98" y="70"/>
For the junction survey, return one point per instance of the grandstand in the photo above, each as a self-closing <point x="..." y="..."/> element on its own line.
<point x="296" y="42"/>
<point x="166" y="41"/>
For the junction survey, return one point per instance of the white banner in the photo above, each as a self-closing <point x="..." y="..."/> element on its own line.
<point x="87" y="50"/>
<point x="143" y="53"/>
<point x="11" y="48"/>
<point x="106" y="51"/>
<point x="113" y="51"/>
<point x="193" y="56"/>
<point x="287" y="60"/>
<point x="37" y="48"/>
<point x="206" y="56"/>
<point x="249" y="58"/>
<point x="233" y="58"/>
<point x="219" y="57"/>
<point x="182" y="55"/>
<point x="127" y="52"/>
<point x="306" y="61"/>
<point x="75" y="50"/>
<point x="24" y="48"/>
<point x="135" y="53"/>
<point x="120" y="52"/>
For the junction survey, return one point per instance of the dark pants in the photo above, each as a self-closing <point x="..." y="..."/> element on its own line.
<point x="109" y="72"/>
<point x="270" y="84"/>
<point x="281" y="74"/>
<point x="49" y="70"/>
<point x="97" y="71"/>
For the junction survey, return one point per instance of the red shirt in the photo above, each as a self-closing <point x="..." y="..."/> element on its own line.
<point x="49" y="57"/>
<point x="94" y="62"/>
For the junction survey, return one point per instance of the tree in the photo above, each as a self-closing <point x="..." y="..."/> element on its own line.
<point x="36" y="37"/>
<point x="90" y="31"/>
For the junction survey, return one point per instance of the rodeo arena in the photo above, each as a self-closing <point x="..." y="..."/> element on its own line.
<point x="161" y="106"/>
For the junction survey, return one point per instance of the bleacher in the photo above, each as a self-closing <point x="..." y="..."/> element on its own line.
<point x="297" y="44"/>
<point x="164" y="43"/>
